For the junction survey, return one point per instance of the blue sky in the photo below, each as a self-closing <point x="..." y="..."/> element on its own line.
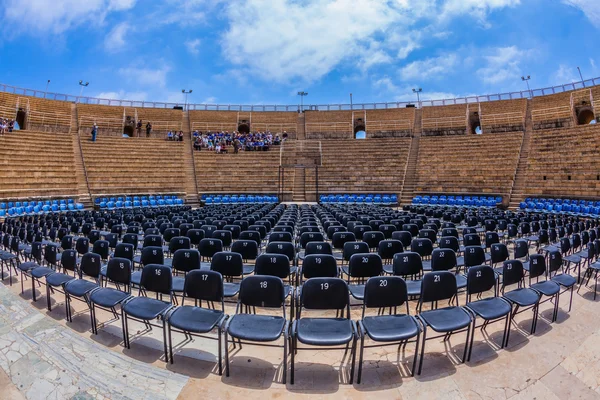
<point x="265" y="51"/>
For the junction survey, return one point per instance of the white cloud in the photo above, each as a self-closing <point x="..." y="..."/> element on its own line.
<point x="57" y="16"/>
<point x="502" y="64"/>
<point x="307" y="39"/>
<point x="123" y="95"/>
<point x="591" y="8"/>
<point x="386" y="84"/>
<point x="192" y="46"/>
<point x="430" y="68"/>
<point x="146" y="76"/>
<point x="565" y="74"/>
<point x="115" y="40"/>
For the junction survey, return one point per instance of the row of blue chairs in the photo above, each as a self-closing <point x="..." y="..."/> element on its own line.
<point x="384" y="199"/>
<point x="111" y="205"/>
<point x="583" y="209"/>
<point x="19" y="208"/>
<point x="238" y="199"/>
<point x="157" y="197"/>
<point x="580" y="202"/>
<point x="460" y="201"/>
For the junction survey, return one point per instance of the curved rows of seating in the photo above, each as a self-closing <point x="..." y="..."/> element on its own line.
<point x="270" y="257"/>
<point x="158" y="200"/>
<point x="238" y="199"/>
<point x="570" y="206"/>
<point x="459" y="201"/>
<point x="25" y="207"/>
<point x="385" y="199"/>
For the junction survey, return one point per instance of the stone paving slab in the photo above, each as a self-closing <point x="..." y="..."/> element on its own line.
<point x="46" y="361"/>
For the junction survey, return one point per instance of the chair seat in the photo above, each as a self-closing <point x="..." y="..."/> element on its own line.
<point x="41" y="272"/>
<point x="390" y="328"/>
<point x="137" y="259"/>
<point x="523" y="297"/>
<point x="257" y="328"/>
<point x="195" y="319"/>
<point x="230" y="289"/>
<point x="7" y="257"/>
<point x="526" y="265"/>
<point x="27" y="266"/>
<point x="573" y="258"/>
<point x="595" y="266"/>
<point x="324" y="331"/>
<point x="136" y="277"/>
<point x="460" y="261"/>
<point x="488" y="257"/>
<point x="426" y="265"/>
<point x="108" y="297"/>
<point x="461" y="281"/>
<point x="490" y="308"/>
<point x="446" y="319"/>
<point x="178" y="284"/>
<point x="547" y="288"/>
<point x="58" y="279"/>
<point x="145" y="308"/>
<point x="80" y="287"/>
<point x="248" y="269"/>
<point x="413" y="288"/>
<point x="357" y="291"/>
<point x="564" y="280"/>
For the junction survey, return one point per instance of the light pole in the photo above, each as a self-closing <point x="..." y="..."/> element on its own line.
<point x="302" y="94"/>
<point x="186" y="92"/>
<point x="526" y="80"/>
<point x="581" y="76"/>
<point x="418" y="92"/>
<point x="83" y="85"/>
<point x="46" y="91"/>
<point x="351" y="101"/>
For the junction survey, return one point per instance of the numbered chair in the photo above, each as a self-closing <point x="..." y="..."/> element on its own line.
<point x="184" y="261"/>
<point x="156" y="279"/>
<point x="362" y="266"/>
<point x="57" y="280"/>
<point x="230" y="265"/>
<point x="351" y="248"/>
<point x="118" y="272"/>
<point x="196" y="320"/>
<point x="262" y="292"/>
<point x="81" y="288"/>
<point x="387" y="330"/>
<point x="248" y="249"/>
<point x="318" y="266"/>
<point x="408" y="266"/>
<point x="324" y="294"/>
<point x="438" y="286"/>
<point x="548" y="288"/>
<point x="482" y="279"/>
<point x="521" y="298"/>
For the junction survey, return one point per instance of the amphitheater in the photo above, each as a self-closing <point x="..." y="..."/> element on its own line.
<point x="138" y="268"/>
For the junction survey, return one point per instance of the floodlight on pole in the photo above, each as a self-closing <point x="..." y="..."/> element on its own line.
<point x="526" y="80"/>
<point x="186" y="92"/>
<point x="418" y="92"/>
<point x="83" y="85"/>
<point x="581" y="76"/>
<point x="46" y="91"/>
<point x="302" y="94"/>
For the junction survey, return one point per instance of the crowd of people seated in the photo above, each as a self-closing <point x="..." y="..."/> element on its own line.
<point x="175" y="136"/>
<point x="6" y="125"/>
<point x="220" y="142"/>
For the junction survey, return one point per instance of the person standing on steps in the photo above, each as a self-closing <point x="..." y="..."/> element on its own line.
<point x="148" y="129"/>
<point x="94" y="132"/>
<point x="139" y="128"/>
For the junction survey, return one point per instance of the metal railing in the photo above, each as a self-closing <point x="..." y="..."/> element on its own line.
<point x="526" y="94"/>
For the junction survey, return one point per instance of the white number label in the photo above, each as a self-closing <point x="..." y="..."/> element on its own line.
<point x="324" y="286"/>
<point x="436" y="278"/>
<point x="263" y="284"/>
<point x="383" y="283"/>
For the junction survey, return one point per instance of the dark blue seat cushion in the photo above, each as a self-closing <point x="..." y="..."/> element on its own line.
<point x="145" y="308"/>
<point x="573" y="258"/>
<point x="80" y="287"/>
<point x="490" y="308"/>
<point x="230" y="289"/>
<point x="564" y="280"/>
<point x="178" y="283"/>
<point x="357" y="291"/>
<point x="413" y="288"/>
<point x="446" y="319"/>
<point x="108" y="297"/>
<point x="27" y="266"/>
<point x="390" y="328"/>
<point x="523" y="297"/>
<point x="257" y="328"/>
<point x="7" y="256"/>
<point x="136" y="277"/>
<point x="58" y="279"/>
<point x="41" y="272"/>
<point x="461" y="281"/>
<point x="195" y="319"/>
<point x="323" y="331"/>
<point x="547" y="288"/>
<point x="248" y="269"/>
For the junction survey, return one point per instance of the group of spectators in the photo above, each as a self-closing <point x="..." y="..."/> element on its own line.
<point x="220" y="142"/>
<point x="175" y="137"/>
<point x="6" y="125"/>
<point x="138" y="128"/>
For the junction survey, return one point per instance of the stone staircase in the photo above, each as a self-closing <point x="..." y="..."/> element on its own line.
<point x="519" y="189"/>
<point x="83" y="190"/>
<point x="191" y="185"/>
<point x="299" y="193"/>
<point x="409" y="185"/>
<point x="301" y="128"/>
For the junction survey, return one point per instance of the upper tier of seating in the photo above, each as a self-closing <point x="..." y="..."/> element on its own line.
<point x="552" y="111"/>
<point x="503" y="115"/>
<point x="42" y="114"/>
<point x="37" y="164"/>
<point x="330" y="124"/>
<point x="565" y="163"/>
<point x="134" y="166"/>
<point x="389" y="123"/>
<point x="468" y="164"/>
<point x="445" y="120"/>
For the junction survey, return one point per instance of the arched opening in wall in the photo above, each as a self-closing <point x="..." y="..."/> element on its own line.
<point x="585" y="117"/>
<point x="21" y="118"/>
<point x="475" y="123"/>
<point x="360" y="132"/>
<point x="478" y="130"/>
<point x="243" y="128"/>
